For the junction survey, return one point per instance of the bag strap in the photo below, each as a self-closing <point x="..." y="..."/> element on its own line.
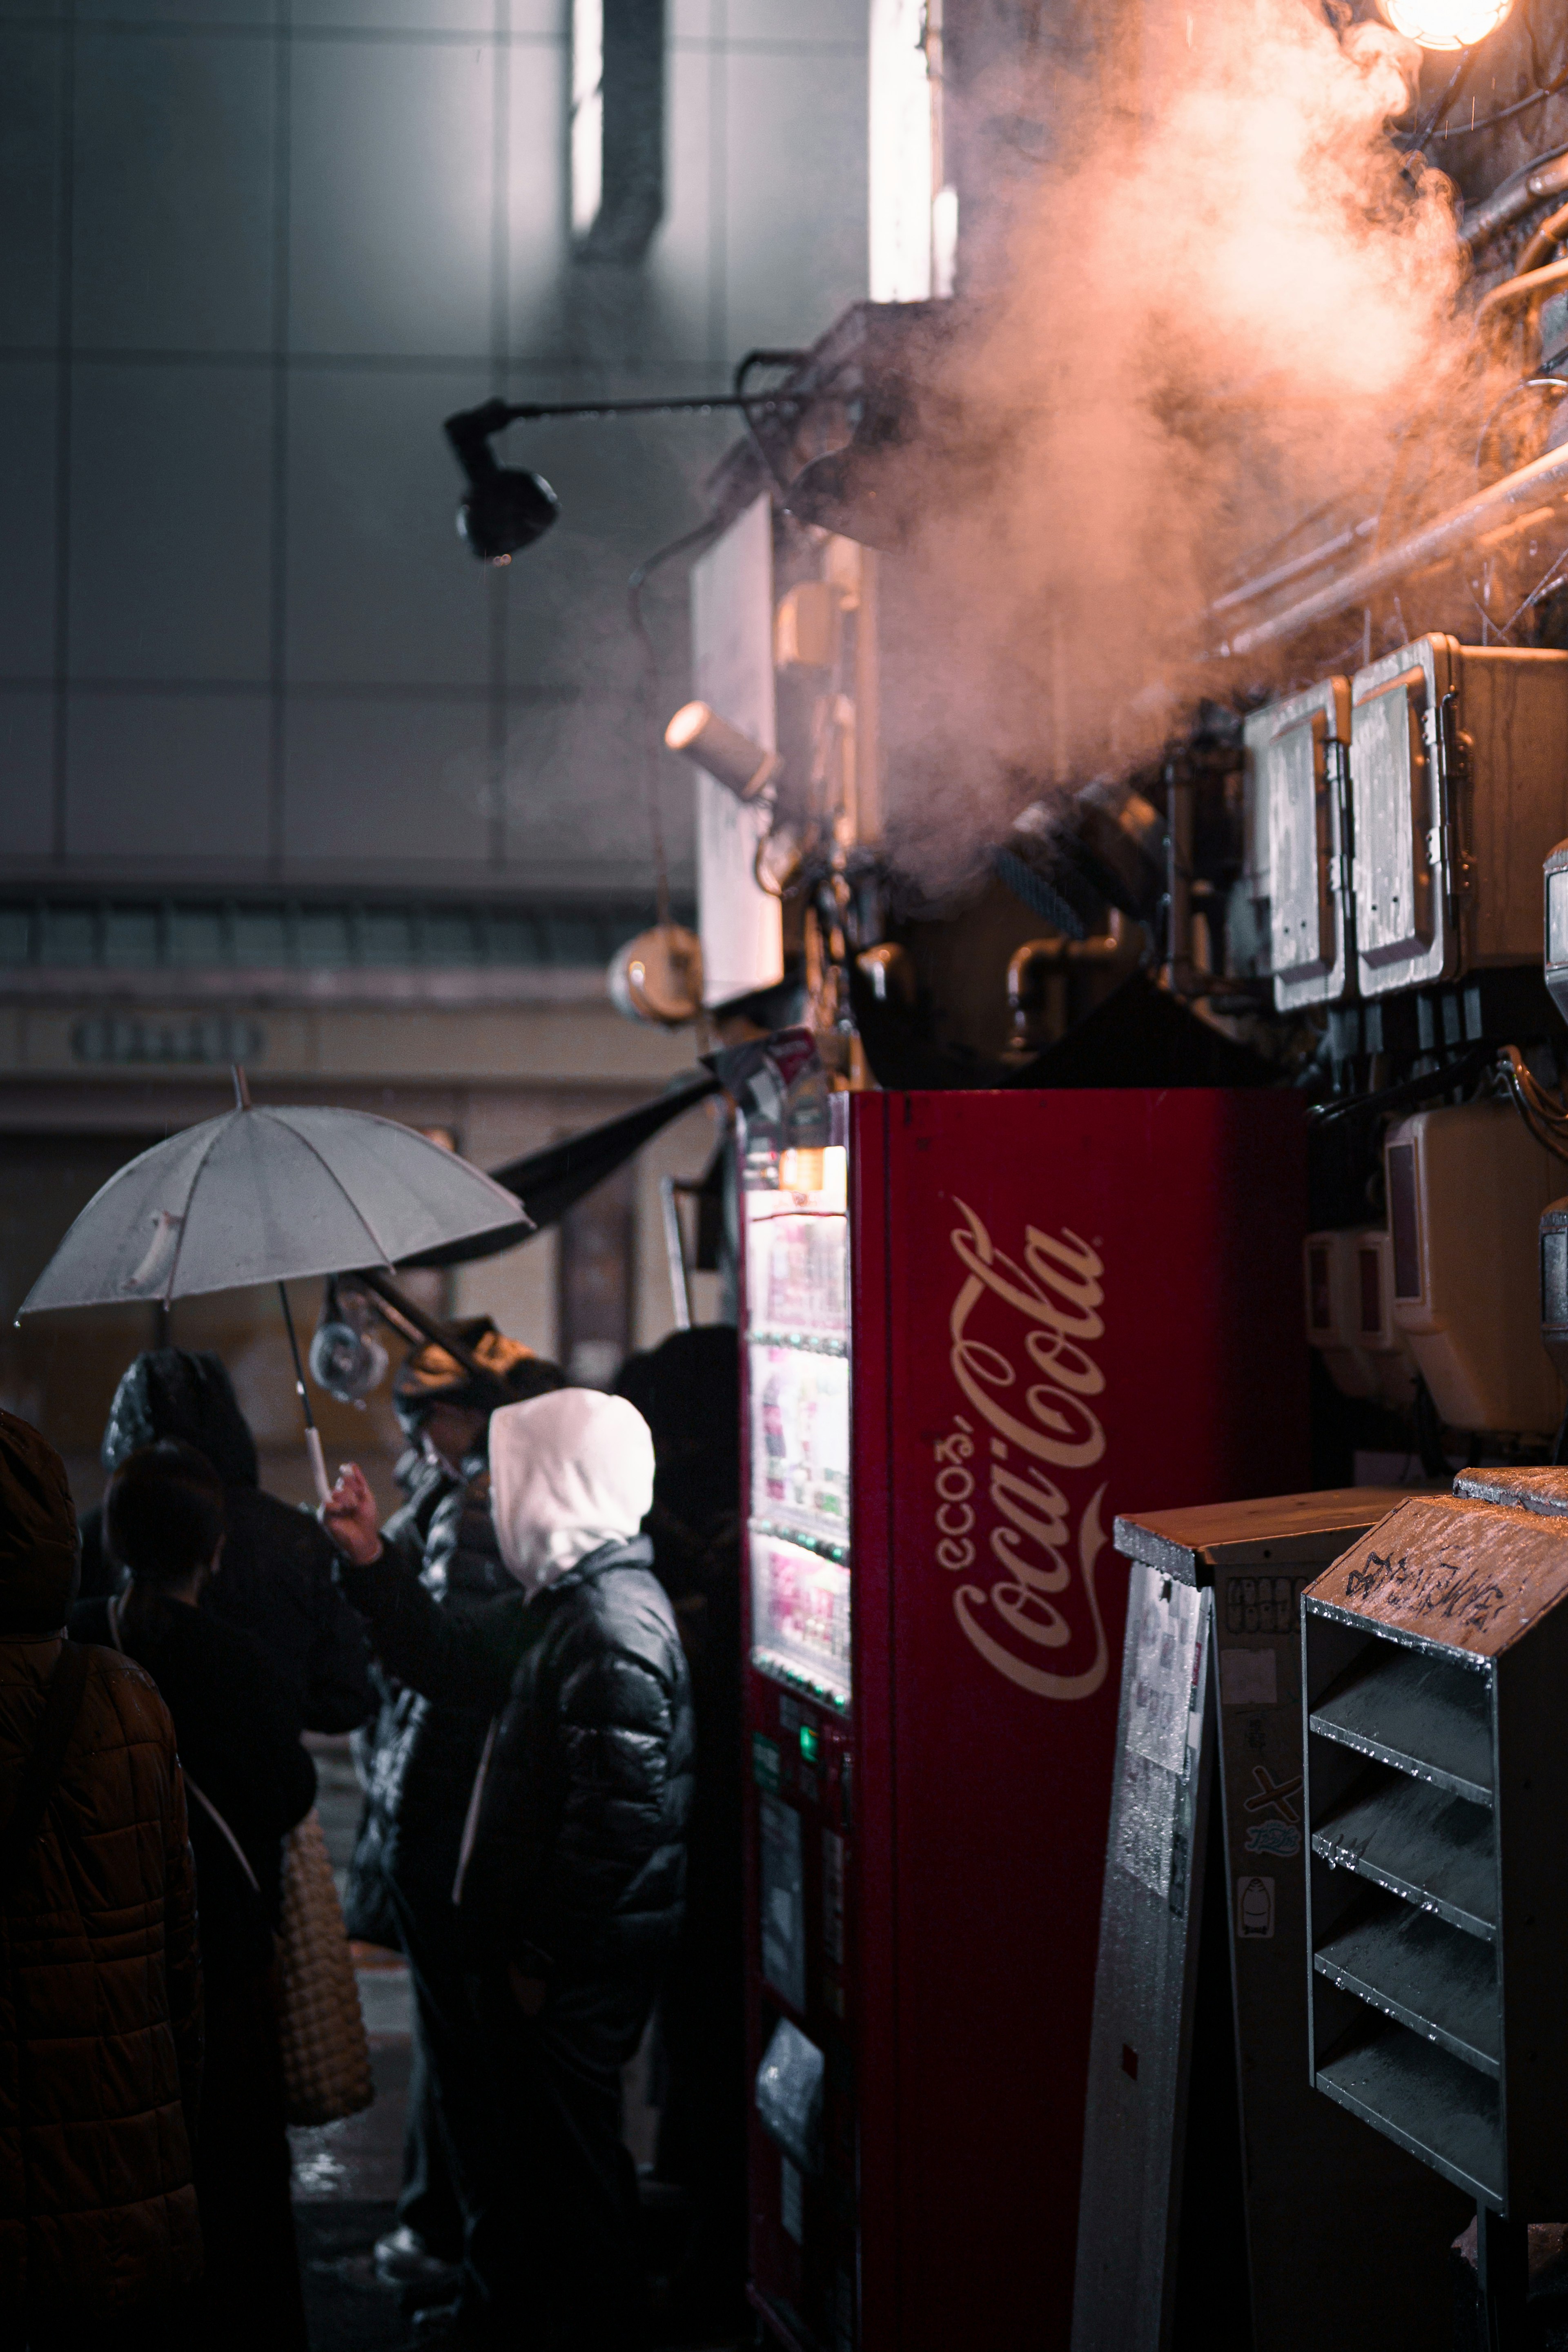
<point x="41" y="1773"/>
<point x="199" y="1795"/>
<point x="208" y="1807"/>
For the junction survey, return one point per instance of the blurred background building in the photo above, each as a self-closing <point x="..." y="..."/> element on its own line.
<point x="285" y="776"/>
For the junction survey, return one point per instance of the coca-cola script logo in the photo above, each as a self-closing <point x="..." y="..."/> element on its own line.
<point x="1025" y="1430"/>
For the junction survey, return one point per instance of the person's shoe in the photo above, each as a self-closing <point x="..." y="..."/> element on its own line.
<point x="403" y="2260"/>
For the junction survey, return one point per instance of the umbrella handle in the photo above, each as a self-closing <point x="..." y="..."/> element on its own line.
<point x="312" y="1434"/>
<point x="318" y="1463"/>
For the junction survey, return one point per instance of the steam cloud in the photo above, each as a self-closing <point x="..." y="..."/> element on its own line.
<point x="1215" y="307"/>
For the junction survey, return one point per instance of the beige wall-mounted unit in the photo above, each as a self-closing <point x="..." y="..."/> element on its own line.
<point x="1465" y="1189"/>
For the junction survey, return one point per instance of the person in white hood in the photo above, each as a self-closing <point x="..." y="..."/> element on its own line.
<point x="573" y="1861"/>
<point x="568" y="1474"/>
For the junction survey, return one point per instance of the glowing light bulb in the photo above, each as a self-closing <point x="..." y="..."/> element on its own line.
<point x="1446" y="24"/>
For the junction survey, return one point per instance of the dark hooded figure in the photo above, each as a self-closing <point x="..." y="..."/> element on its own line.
<point x="570" y="1870"/>
<point x="276" y="1583"/>
<point x="418" y="1769"/>
<point x="688" y="1391"/>
<point x="99" y="1983"/>
<point x="248" y="1781"/>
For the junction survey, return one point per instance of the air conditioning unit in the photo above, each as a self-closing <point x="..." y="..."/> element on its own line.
<point x="1396" y="821"/>
<point x="1458" y="767"/>
<point x="1298" y="763"/>
<point x="1350" y="1315"/>
<point x="1466" y="1192"/>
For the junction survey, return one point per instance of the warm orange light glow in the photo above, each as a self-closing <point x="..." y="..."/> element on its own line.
<point x="1446" y="24"/>
<point x="686" y="725"/>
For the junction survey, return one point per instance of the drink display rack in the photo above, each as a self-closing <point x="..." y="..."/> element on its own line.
<point x="1434" y="1655"/>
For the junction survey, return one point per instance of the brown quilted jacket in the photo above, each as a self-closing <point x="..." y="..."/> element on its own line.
<point x="100" y="2003"/>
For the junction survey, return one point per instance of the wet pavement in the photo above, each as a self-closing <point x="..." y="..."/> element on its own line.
<point x="347" y="2175"/>
<point x="346" y="2179"/>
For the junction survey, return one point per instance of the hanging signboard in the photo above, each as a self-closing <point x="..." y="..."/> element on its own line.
<point x="732" y="662"/>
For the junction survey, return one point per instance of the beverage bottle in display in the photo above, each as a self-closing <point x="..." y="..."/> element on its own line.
<point x="783" y="1597"/>
<point x="806" y="1435"/>
<point x="773" y="1437"/>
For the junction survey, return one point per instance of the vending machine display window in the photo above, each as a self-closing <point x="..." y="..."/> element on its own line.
<point x="800" y="1618"/>
<point x="798" y="1382"/>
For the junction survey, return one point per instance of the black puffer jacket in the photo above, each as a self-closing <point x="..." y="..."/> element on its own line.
<point x="418" y="1765"/>
<point x="578" y="1863"/>
<point x="277" y="1581"/>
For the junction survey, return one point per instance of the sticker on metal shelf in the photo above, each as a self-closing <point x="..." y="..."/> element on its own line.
<point x="1254" y="1909"/>
<point x="1275" y="1799"/>
<point x="1146" y="1822"/>
<point x="1159" y="1703"/>
<point x="1262" y="1605"/>
<point x="1280" y="1838"/>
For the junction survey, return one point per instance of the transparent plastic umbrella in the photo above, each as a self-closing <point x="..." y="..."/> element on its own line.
<point x="268" y="1194"/>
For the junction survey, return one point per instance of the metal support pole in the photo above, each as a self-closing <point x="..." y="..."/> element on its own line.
<point x="675" y="1254"/>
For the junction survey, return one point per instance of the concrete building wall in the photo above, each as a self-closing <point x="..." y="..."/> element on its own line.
<point x="252" y="688"/>
<point x="255" y="253"/>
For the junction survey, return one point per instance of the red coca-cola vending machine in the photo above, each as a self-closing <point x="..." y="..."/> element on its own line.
<point x="976" y="1326"/>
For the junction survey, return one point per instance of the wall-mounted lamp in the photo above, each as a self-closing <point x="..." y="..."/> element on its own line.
<point x="658" y="976"/>
<point x="505" y="509"/>
<point x="722" y="751"/>
<point x="1446" y="24"/>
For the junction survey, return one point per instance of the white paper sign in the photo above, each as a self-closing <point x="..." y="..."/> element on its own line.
<point x="732" y="662"/>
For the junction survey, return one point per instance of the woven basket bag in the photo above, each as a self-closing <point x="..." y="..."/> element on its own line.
<point x="326" y="2057"/>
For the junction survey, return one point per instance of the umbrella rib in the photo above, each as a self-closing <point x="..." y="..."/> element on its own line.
<point x="320" y="1157"/>
<point x="184" y="1221"/>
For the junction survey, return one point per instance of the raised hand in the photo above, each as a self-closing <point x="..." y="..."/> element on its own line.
<point x="348" y="1516"/>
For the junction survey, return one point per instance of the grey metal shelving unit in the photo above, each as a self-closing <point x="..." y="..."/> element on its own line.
<point x="1211" y="2169"/>
<point x="1435" y="1670"/>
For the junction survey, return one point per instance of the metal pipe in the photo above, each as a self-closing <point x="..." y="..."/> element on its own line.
<point x="1499" y="513"/>
<point x="1250" y="590"/>
<point x="675" y="1254"/>
<point x="1530" y="286"/>
<point x="1545" y="241"/>
<point x="1052" y="958"/>
<point x="1513" y="199"/>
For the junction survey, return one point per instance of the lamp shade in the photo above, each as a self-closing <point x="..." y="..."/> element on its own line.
<point x="731" y="758"/>
<point x="1446" y="24"/>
